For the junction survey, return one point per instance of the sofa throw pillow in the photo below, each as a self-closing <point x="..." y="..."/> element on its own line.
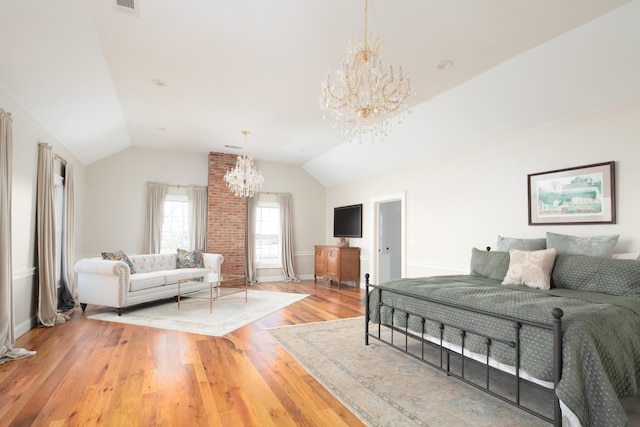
<point x="489" y="264"/>
<point x="599" y="246"/>
<point x="119" y="255"/>
<point x="189" y="259"/>
<point x="505" y="244"/>
<point x="530" y="268"/>
<point x="592" y="274"/>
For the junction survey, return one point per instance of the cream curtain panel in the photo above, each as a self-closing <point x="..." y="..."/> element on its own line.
<point x="286" y="234"/>
<point x="198" y="201"/>
<point x="46" y="246"/>
<point x="7" y="352"/>
<point x="250" y="240"/>
<point x="156" y="194"/>
<point x="68" y="298"/>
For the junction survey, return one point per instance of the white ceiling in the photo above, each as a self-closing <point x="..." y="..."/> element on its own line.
<point x="86" y="71"/>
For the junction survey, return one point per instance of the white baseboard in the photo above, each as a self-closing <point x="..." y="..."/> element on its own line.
<point x="25" y="326"/>
<point x="267" y="279"/>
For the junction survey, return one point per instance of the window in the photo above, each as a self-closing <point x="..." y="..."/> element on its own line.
<point x="267" y="235"/>
<point x="175" y="224"/>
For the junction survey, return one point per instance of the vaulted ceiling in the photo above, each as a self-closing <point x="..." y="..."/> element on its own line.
<point x="191" y="75"/>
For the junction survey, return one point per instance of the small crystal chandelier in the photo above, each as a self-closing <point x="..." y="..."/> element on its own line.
<point x="244" y="180"/>
<point x="365" y="95"/>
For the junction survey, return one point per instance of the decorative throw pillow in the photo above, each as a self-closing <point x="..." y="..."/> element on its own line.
<point x="593" y="274"/>
<point x="189" y="259"/>
<point x="600" y="246"/>
<point x="505" y="244"/>
<point x="530" y="268"/>
<point x="119" y="256"/>
<point x="489" y="264"/>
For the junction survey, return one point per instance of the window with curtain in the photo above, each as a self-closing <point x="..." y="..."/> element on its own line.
<point x="175" y="224"/>
<point x="58" y="197"/>
<point x="268" y="239"/>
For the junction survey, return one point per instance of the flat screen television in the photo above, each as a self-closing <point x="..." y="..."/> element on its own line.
<point x="347" y="221"/>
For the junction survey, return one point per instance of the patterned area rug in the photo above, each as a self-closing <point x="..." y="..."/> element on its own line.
<point x="385" y="387"/>
<point x="229" y="312"/>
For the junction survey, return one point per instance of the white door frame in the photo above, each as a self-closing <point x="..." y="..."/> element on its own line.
<point x="375" y="223"/>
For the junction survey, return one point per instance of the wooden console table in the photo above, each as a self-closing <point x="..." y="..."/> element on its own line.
<point x="337" y="264"/>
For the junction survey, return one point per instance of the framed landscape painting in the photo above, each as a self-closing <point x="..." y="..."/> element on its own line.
<point x="578" y="195"/>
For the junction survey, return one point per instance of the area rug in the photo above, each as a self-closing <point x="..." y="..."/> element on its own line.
<point x="385" y="387"/>
<point x="229" y="312"/>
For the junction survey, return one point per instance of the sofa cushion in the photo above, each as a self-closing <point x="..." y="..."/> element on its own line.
<point x="153" y="262"/>
<point x="172" y="276"/>
<point x="141" y="281"/>
<point x="119" y="256"/>
<point x="189" y="259"/>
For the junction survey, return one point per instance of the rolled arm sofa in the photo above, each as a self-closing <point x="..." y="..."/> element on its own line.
<point x="112" y="283"/>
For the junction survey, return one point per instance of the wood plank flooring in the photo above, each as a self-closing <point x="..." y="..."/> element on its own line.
<point x="89" y="372"/>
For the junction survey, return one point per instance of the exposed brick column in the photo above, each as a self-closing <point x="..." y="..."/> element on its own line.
<point x="226" y="216"/>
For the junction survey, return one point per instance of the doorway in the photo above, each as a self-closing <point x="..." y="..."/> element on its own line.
<point x="389" y="238"/>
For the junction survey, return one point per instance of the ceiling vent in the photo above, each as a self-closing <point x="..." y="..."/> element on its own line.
<point x="130" y="7"/>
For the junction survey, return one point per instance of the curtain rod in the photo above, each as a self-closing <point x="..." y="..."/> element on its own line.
<point x="185" y="186"/>
<point x="58" y="157"/>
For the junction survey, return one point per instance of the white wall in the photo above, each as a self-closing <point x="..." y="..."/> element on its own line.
<point x="116" y="194"/>
<point x="27" y="132"/>
<point x="465" y="200"/>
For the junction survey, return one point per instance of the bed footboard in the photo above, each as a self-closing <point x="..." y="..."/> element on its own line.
<point x="400" y="337"/>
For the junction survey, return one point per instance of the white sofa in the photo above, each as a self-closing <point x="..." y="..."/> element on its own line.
<point x="110" y="283"/>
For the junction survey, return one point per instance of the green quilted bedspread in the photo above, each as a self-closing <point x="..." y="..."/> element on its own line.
<point x="601" y="335"/>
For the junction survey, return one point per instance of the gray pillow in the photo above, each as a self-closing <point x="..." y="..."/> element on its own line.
<point x="489" y="264"/>
<point x="505" y="244"/>
<point x="600" y="246"/>
<point x="593" y="274"/>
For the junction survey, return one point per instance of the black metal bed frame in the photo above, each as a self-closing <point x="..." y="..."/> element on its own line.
<point x="554" y="326"/>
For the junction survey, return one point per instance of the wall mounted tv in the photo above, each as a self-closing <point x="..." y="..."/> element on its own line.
<point x="347" y="221"/>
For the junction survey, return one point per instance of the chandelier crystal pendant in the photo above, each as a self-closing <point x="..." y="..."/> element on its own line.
<point x="244" y="179"/>
<point x="366" y="95"/>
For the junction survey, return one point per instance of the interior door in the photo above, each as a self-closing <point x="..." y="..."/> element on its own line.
<point x="389" y="241"/>
<point x="388" y="248"/>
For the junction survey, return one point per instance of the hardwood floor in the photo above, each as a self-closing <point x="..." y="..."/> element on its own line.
<point x="89" y="372"/>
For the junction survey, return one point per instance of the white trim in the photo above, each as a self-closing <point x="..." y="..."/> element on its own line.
<point x="25" y="272"/>
<point x="456" y="268"/>
<point x="266" y="279"/>
<point x="25" y="326"/>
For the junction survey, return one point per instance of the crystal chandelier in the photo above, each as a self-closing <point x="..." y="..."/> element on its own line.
<point x="366" y="95"/>
<point x="244" y="180"/>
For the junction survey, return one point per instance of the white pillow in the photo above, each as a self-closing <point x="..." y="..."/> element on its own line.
<point x="627" y="255"/>
<point x="530" y="268"/>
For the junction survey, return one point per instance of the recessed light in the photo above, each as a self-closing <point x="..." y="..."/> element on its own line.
<point x="445" y="65"/>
